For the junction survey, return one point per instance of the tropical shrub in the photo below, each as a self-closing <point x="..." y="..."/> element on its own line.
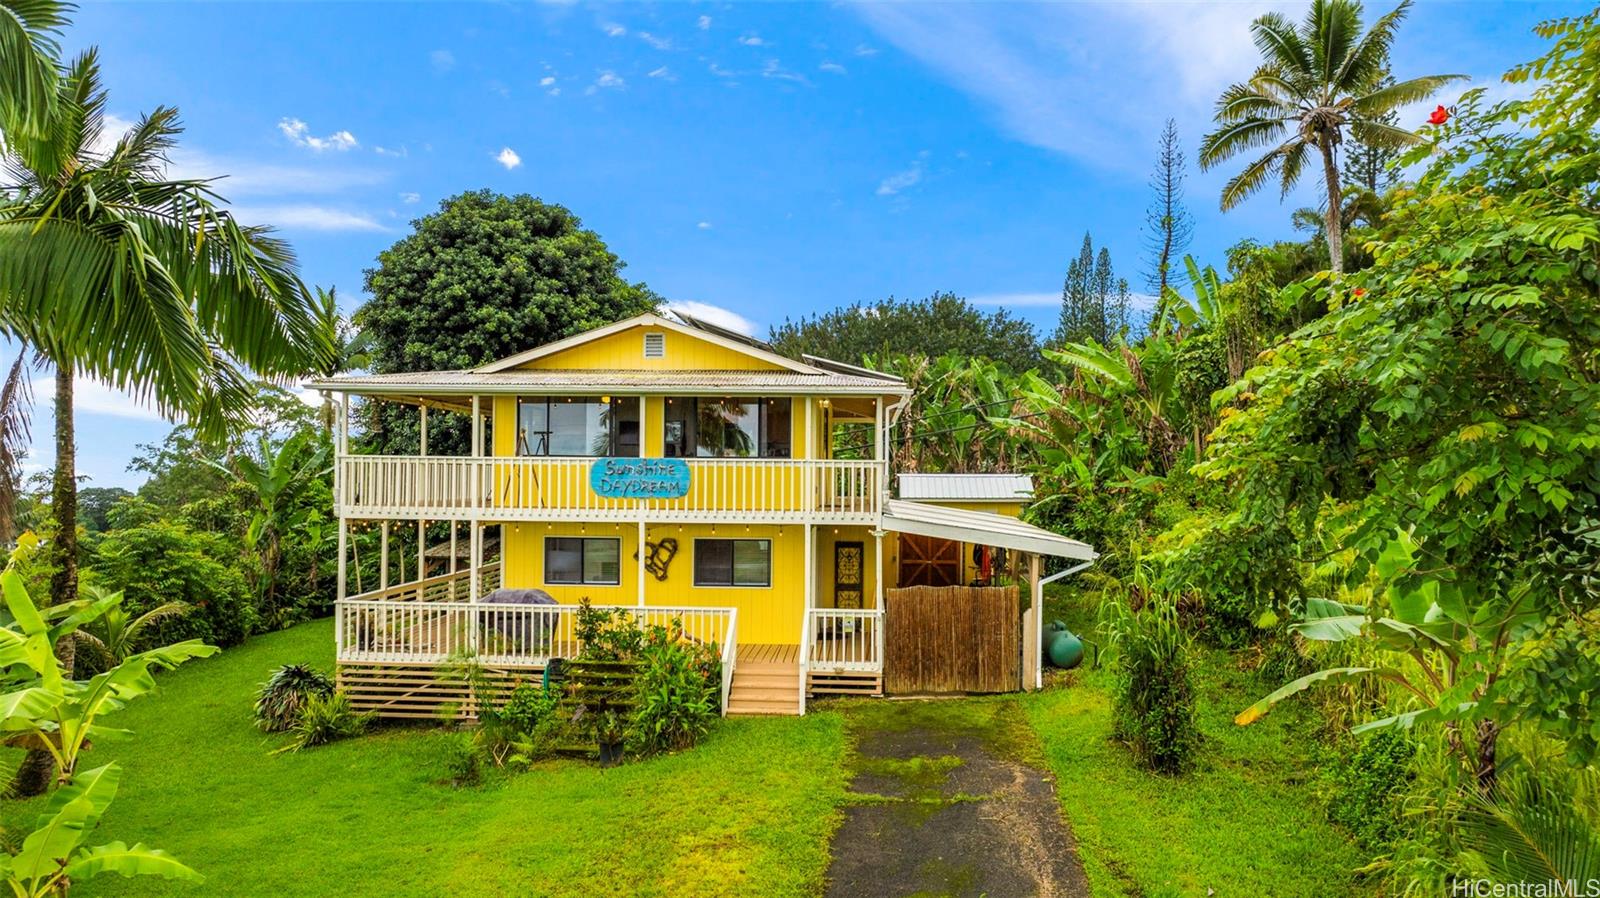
<point x="1153" y="698"/>
<point x="53" y="857"/>
<point x="165" y="561"/>
<point x="1366" y="788"/>
<point x="284" y="695"/>
<point x="327" y="718"/>
<point x="463" y="758"/>
<point x="679" y="686"/>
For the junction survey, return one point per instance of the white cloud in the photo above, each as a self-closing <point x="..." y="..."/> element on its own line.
<point x="91" y="397"/>
<point x="703" y="23"/>
<point x="442" y="60"/>
<point x="307" y="217"/>
<point x="704" y="225"/>
<point x="663" y="73"/>
<point x="660" y="43"/>
<point x="508" y="158"/>
<point x="237" y="178"/>
<point x="610" y="80"/>
<point x="400" y="153"/>
<point x="752" y="40"/>
<point x="864" y="50"/>
<point x="772" y="69"/>
<point x="717" y="315"/>
<point x="299" y="134"/>
<point x="554" y="91"/>
<point x="409" y="197"/>
<point x="834" y="67"/>
<point x="719" y="71"/>
<point x="547" y="80"/>
<point x="905" y="179"/>
<point x="612" y="29"/>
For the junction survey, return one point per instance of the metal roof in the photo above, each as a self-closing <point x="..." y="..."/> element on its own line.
<point x="966" y="487"/>
<point x="582" y="381"/>
<point x="980" y="528"/>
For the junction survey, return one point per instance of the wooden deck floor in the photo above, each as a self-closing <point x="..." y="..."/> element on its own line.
<point x="768" y="653"/>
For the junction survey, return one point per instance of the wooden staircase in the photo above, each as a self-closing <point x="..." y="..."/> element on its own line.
<point x="766" y="681"/>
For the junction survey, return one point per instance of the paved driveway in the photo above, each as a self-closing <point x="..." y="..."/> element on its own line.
<point x="946" y="801"/>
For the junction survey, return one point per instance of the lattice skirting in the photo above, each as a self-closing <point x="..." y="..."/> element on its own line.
<point x="844" y="683"/>
<point x="421" y="691"/>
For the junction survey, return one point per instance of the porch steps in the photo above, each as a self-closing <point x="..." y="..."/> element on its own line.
<point x="765" y="688"/>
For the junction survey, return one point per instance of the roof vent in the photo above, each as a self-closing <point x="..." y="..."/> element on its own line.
<point x="655" y="345"/>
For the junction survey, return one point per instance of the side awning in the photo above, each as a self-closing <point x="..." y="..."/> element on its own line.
<point x="980" y="528"/>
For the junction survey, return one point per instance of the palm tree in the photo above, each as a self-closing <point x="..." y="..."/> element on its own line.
<point x="111" y="270"/>
<point x="1316" y="81"/>
<point x="28" y="53"/>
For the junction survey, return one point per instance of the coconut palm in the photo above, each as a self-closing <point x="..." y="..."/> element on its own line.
<point x="1316" y="82"/>
<point x="28" y="53"/>
<point x="112" y="270"/>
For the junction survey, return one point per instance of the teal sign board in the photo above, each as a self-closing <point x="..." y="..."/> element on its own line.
<point x="640" y="478"/>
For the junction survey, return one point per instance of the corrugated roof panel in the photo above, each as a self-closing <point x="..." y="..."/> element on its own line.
<point x="980" y="528"/>
<point x="571" y="379"/>
<point x="966" y="487"/>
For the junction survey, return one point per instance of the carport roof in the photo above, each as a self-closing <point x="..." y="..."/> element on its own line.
<point x="980" y="528"/>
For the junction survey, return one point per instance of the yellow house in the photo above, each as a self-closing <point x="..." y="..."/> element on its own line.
<point x="670" y="467"/>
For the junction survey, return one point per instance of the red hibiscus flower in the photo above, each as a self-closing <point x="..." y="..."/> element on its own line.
<point x="1360" y="292"/>
<point x="1440" y="116"/>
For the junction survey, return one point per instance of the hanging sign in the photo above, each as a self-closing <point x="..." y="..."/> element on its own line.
<point x="640" y="478"/>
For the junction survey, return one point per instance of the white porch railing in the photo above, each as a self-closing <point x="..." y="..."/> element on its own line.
<point x="844" y="639"/>
<point x="552" y="489"/>
<point x="440" y="588"/>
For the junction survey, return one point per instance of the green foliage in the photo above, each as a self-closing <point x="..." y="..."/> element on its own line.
<point x="327" y="718"/>
<point x="1154" y="700"/>
<point x="464" y="758"/>
<point x="950" y="423"/>
<point x="283" y="696"/>
<point x="1534" y="831"/>
<point x="679" y="689"/>
<point x="534" y="719"/>
<point x="1094" y="301"/>
<point x="941" y="324"/>
<point x="606" y="634"/>
<point x="164" y="561"/>
<point x="1367" y="787"/>
<point x="53" y="856"/>
<point x="484" y="277"/>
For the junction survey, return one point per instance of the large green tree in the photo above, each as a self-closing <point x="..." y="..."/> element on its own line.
<point x="111" y="270"/>
<point x="1094" y="301"/>
<point x="485" y="277"/>
<point x="28" y="53"/>
<point x="1316" y="82"/>
<point x="939" y="324"/>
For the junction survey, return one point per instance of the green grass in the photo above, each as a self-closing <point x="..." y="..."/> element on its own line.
<point x="750" y="811"/>
<point x="1245" y="821"/>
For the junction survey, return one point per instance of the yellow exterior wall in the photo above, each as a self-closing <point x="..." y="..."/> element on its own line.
<point x="624" y="351"/>
<point x="766" y="614"/>
<point x="825" y="539"/>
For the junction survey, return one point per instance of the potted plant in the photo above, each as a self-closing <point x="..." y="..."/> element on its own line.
<point x="607" y="727"/>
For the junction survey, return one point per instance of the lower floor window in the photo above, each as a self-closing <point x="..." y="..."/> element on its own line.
<point x="584" y="560"/>
<point x="733" y="562"/>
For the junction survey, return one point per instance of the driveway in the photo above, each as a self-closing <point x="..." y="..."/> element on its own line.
<point x="947" y="799"/>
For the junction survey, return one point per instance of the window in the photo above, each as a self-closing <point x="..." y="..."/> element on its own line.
<point x="573" y="559"/>
<point x="727" y="428"/>
<point x="733" y="562"/>
<point x="578" y="426"/>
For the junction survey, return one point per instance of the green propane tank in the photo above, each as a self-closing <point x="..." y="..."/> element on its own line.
<point x="1063" y="648"/>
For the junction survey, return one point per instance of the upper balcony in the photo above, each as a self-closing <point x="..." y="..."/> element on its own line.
<point x="748" y="490"/>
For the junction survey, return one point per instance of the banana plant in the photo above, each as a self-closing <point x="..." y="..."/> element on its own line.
<point x="113" y="636"/>
<point x="54" y="856"/>
<point x="42" y="709"/>
<point x="1205" y="310"/>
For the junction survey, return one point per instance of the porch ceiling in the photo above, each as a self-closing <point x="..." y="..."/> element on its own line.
<point x="980" y="528"/>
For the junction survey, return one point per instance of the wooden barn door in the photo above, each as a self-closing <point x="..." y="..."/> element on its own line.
<point x="952" y="639"/>
<point x="929" y="561"/>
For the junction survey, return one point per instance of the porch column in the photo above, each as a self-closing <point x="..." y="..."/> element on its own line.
<point x="344" y="547"/>
<point x="422" y="549"/>
<point x="452" y="545"/>
<point x="1032" y="633"/>
<point x="474" y="560"/>
<point x="877" y="550"/>
<point x="383" y="557"/>
<point x="641" y="562"/>
<point x="477" y="427"/>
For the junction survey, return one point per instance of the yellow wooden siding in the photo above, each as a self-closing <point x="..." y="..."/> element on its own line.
<point x="624" y="351"/>
<point x="826" y="538"/>
<point x="766" y="614"/>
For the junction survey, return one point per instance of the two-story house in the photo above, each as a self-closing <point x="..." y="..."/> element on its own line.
<point x="671" y="467"/>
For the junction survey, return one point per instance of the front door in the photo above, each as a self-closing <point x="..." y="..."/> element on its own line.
<point x="849" y="574"/>
<point x="929" y="561"/>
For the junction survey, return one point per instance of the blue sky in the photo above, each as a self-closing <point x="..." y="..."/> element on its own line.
<point x="767" y="160"/>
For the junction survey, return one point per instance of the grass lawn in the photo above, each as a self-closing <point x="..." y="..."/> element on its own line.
<point x="750" y="811"/>
<point x="1246" y="821"/>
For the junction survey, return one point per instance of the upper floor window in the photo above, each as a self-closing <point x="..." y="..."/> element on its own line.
<point x="578" y="426"/>
<point x="727" y="428"/>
